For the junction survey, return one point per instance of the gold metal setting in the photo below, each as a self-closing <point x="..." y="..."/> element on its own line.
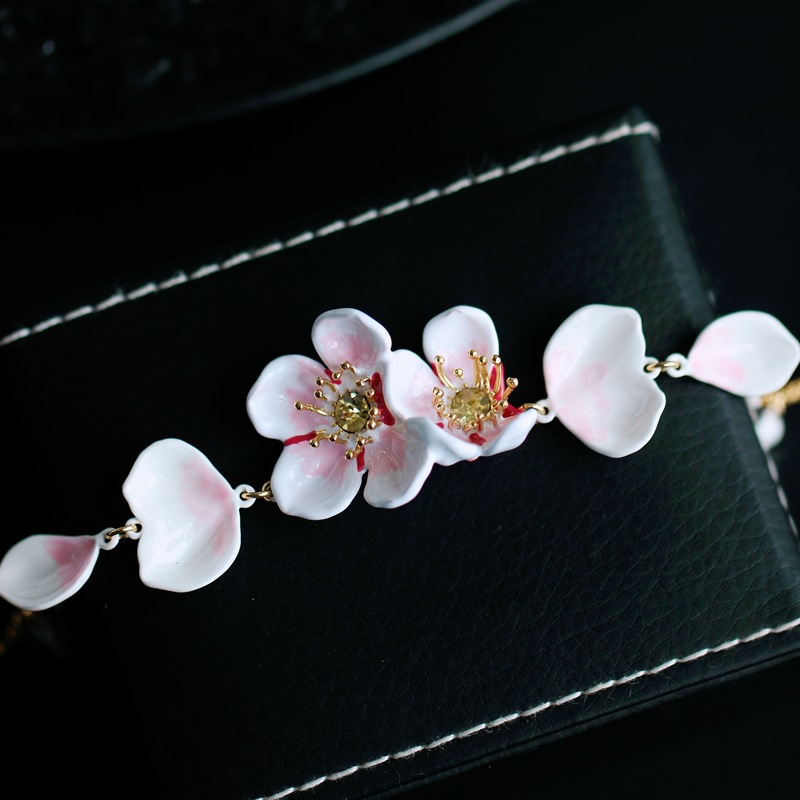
<point x="470" y="406"/>
<point x="348" y="402"/>
<point x="779" y="401"/>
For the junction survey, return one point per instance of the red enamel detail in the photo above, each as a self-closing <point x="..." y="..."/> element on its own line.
<point x="303" y="437"/>
<point x="440" y="424"/>
<point x="476" y="438"/>
<point x="511" y="411"/>
<point x="376" y="383"/>
<point x="329" y="373"/>
<point x="492" y="377"/>
<point x="360" y="461"/>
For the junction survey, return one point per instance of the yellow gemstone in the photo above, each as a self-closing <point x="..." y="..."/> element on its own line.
<point x="470" y="405"/>
<point x="351" y="412"/>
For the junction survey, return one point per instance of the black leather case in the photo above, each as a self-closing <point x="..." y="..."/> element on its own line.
<point x="517" y="599"/>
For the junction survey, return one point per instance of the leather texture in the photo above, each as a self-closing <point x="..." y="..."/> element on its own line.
<point x="518" y="598"/>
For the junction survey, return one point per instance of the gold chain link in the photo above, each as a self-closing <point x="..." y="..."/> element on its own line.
<point x="264" y="494"/>
<point x="779" y="401"/>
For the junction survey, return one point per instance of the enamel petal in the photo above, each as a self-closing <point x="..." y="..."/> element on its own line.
<point x="408" y="384"/>
<point x="397" y="465"/>
<point x="346" y="334"/>
<point x="509" y="433"/>
<point x="747" y="353"/>
<point x="596" y="383"/>
<point x="44" y="570"/>
<point x="189" y="516"/>
<point x="314" y="482"/>
<point x="453" y="333"/>
<point x="271" y="400"/>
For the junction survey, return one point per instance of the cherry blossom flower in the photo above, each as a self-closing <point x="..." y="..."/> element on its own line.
<point x="335" y="424"/>
<point x="461" y="395"/>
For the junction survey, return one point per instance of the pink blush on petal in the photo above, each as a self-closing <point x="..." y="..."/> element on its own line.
<point x="584" y="404"/>
<point x="209" y="499"/>
<point x="70" y="555"/>
<point x="558" y="366"/>
<point x="710" y="361"/>
<point x="388" y="455"/>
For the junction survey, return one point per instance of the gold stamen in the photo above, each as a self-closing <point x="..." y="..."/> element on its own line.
<point x="438" y="363"/>
<point x="300" y="406"/>
<point x="511" y="384"/>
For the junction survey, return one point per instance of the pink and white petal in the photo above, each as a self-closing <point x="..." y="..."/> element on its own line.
<point x="346" y="334"/>
<point x="453" y="333"/>
<point x="447" y="447"/>
<point x="596" y="383"/>
<point x="408" y="384"/>
<point x="747" y="353"/>
<point x="271" y="400"/>
<point x="314" y="482"/>
<point x="510" y="432"/>
<point x="43" y="570"/>
<point x="189" y="515"/>
<point x="398" y="464"/>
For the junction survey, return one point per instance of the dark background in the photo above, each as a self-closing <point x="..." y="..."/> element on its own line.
<point x="137" y="141"/>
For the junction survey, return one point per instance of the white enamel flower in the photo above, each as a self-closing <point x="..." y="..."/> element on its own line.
<point x="460" y="396"/>
<point x="335" y="424"/>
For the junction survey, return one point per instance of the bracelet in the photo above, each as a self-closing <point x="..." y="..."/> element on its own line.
<point x="364" y="409"/>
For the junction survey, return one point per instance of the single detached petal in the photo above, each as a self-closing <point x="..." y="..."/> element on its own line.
<point x="346" y="334"/>
<point x="44" y="570"/>
<point x="189" y="515"/>
<point x="747" y="353"/>
<point x="453" y="333"/>
<point x="271" y="400"/>
<point x="397" y="465"/>
<point x="314" y="482"/>
<point x="596" y="383"/>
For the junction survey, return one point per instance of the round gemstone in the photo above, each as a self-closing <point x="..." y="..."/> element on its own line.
<point x="351" y="412"/>
<point x="470" y="405"/>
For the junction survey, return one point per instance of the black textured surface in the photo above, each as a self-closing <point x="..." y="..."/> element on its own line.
<point x="97" y="70"/>
<point x="507" y="583"/>
<point x="78" y="224"/>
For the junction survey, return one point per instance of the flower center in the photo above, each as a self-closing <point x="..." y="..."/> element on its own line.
<point x="349" y="405"/>
<point x="351" y="412"/>
<point x="470" y="406"/>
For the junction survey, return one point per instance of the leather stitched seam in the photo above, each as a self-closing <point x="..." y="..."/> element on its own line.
<point x="621" y="131"/>
<point x="538" y="709"/>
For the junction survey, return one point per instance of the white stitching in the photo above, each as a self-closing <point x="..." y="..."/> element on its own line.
<point x="527" y="714"/>
<point x="773" y="471"/>
<point x="612" y="135"/>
